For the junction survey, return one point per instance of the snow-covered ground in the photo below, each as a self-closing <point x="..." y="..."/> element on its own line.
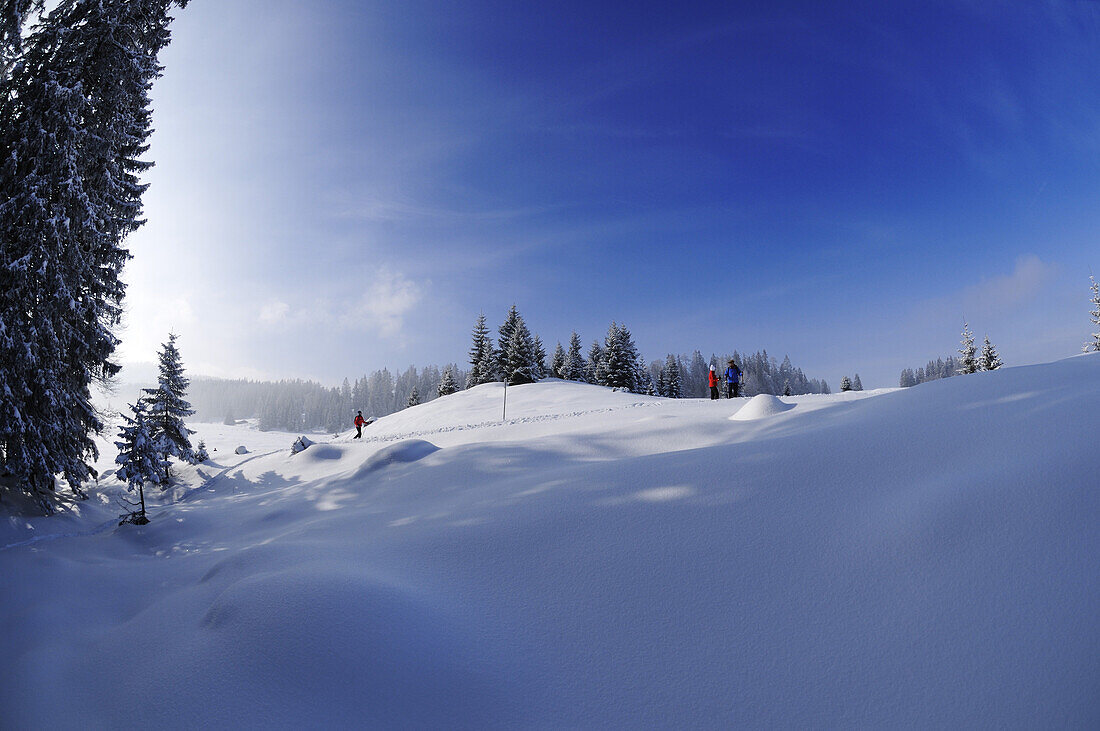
<point x="919" y="558"/>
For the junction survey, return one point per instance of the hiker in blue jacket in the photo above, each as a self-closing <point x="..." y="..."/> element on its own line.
<point x="733" y="380"/>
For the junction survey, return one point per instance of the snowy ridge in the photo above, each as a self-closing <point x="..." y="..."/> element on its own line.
<point x="924" y="557"/>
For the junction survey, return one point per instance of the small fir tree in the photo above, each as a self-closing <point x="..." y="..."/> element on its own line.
<point x="167" y="408"/>
<point x="968" y="362"/>
<point x="787" y="388"/>
<point x="414" y="397"/>
<point x="1094" y="344"/>
<point x="201" y="455"/>
<point x="845" y="384"/>
<point x="673" y="385"/>
<point x="857" y="385"/>
<point x="557" y="362"/>
<point x="596" y="372"/>
<point x="574" y="368"/>
<point x="447" y="384"/>
<point x="482" y="357"/>
<point x="989" y="360"/>
<point x="538" y="364"/>
<point x="618" y="358"/>
<point x="516" y="360"/>
<point x="140" y="459"/>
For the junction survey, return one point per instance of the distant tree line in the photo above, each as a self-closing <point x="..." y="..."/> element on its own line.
<point x="296" y="405"/>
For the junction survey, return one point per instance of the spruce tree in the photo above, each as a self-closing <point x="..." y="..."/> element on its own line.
<point x="447" y="384"/>
<point x="74" y="118"/>
<point x="557" y="361"/>
<point x="595" y="372"/>
<point x="968" y="363"/>
<point x="482" y="358"/>
<point x="201" y="455"/>
<point x="673" y="385"/>
<point x="845" y="384"/>
<point x="1094" y="344"/>
<point x="167" y="407"/>
<point x="574" y="368"/>
<point x="414" y="398"/>
<point x="140" y="458"/>
<point x="857" y="385"/>
<point x="538" y="363"/>
<point x="504" y="338"/>
<point x="620" y="358"/>
<point x="787" y="387"/>
<point x="989" y="360"/>
<point x="517" y="354"/>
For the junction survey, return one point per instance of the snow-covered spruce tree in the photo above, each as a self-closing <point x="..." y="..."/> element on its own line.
<point x="482" y="358"/>
<point x="140" y="459"/>
<point x="201" y="455"/>
<point x="14" y="17"/>
<point x="504" y="333"/>
<point x="619" y="359"/>
<point x="1094" y="344"/>
<point x="74" y="118"/>
<point x="538" y="363"/>
<point x="557" y="360"/>
<point x="673" y="385"/>
<point x="447" y="384"/>
<point x="414" y="397"/>
<point x="661" y="384"/>
<point x="845" y="384"/>
<point x="595" y="369"/>
<point x="517" y="359"/>
<point x="857" y="385"/>
<point x="787" y="388"/>
<point x="643" y="382"/>
<point x="574" y="368"/>
<point x="167" y="407"/>
<point x="989" y="359"/>
<point x="968" y="363"/>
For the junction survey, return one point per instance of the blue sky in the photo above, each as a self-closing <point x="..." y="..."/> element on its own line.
<point x="342" y="186"/>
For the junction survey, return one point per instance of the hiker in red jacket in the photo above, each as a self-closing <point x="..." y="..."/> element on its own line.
<point x="712" y="379"/>
<point x="359" y="422"/>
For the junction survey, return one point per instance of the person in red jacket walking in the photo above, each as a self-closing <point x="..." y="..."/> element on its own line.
<point x="712" y="379"/>
<point x="359" y="422"/>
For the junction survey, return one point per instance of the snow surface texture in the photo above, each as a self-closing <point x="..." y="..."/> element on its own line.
<point x="917" y="558"/>
<point x="761" y="406"/>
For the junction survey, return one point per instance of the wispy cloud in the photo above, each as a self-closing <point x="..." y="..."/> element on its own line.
<point x="384" y="304"/>
<point x="995" y="296"/>
<point x="380" y="308"/>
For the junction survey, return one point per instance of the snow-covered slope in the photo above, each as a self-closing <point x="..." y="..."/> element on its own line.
<point x="925" y="557"/>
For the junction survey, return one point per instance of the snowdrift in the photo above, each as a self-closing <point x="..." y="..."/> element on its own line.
<point x="761" y="406"/>
<point x="920" y="558"/>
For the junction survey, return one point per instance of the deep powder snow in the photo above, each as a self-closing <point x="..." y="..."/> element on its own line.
<point x="925" y="557"/>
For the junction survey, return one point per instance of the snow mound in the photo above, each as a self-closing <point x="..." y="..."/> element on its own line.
<point x="761" y="406"/>
<point x="324" y="452"/>
<point x="241" y="450"/>
<point x="410" y="450"/>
